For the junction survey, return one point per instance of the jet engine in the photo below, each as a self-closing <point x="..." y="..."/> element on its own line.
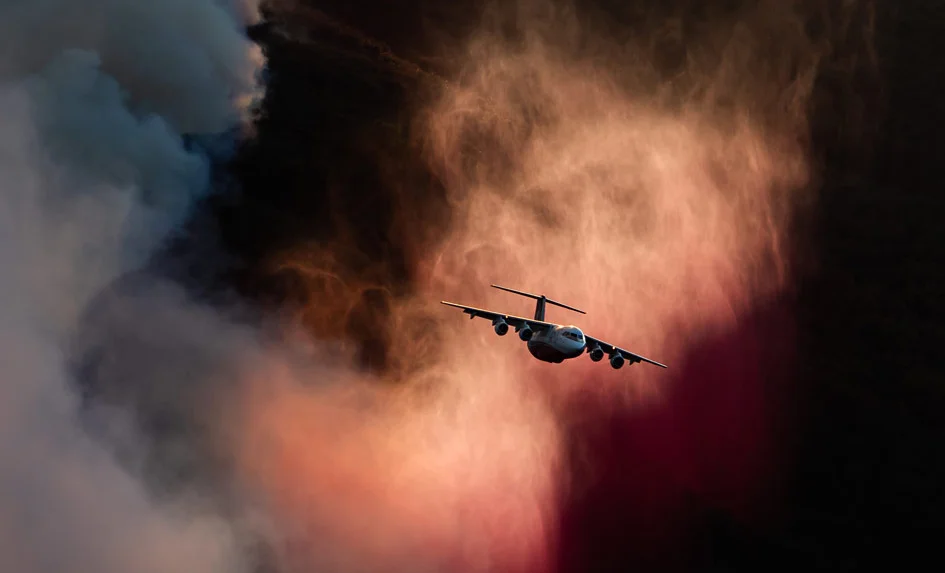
<point x="525" y="333"/>
<point x="597" y="354"/>
<point x="501" y="327"/>
<point x="616" y="360"/>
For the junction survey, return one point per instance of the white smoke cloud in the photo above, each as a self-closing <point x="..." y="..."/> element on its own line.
<point x="94" y="99"/>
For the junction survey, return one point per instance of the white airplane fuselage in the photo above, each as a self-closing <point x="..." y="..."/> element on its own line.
<point x="557" y="344"/>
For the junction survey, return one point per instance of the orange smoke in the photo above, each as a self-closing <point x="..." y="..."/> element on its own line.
<point x="658" y="206"/>
<point x="442" y="477"/>
<point x="573" y="173"/>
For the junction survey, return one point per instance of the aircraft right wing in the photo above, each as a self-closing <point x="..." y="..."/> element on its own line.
<point x="627" y="355"/>
<point x="514" y="321"/>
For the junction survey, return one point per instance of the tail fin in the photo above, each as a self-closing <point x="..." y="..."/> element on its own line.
<point x="542" y="299"/>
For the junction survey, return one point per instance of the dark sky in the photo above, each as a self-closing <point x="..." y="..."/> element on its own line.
<point x="867" y="389"/>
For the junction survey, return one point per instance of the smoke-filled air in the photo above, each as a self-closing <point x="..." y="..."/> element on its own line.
<point x="646" y="180"/>
<point x="94" y="100"/>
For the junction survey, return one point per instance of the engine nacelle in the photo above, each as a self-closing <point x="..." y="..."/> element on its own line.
<point x="501" y="327"/>
<point x="526" y="333"/>
<point x="616" y="360"/>
<point x="597" y="354"/>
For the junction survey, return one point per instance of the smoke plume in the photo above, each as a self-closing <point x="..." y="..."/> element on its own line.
<point x="644" y="173"/>
<point x="95" y="98"/>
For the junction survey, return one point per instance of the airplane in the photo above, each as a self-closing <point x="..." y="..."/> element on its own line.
<point x="551" y="342"/>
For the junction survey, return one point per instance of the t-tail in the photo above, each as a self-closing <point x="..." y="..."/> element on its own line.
<point x="541" y="299"/>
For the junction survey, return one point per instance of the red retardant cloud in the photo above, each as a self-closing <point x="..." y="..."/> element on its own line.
<point x="645" y="477"/>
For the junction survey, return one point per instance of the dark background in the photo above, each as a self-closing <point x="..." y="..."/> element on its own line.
<point x="865" y="485"/>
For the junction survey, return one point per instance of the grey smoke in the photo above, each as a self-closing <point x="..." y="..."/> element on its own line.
<point x="95" y="97"/>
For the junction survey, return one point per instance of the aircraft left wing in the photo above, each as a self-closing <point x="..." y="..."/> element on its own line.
<point x="627" y="355"/>
<point x="516" y="322"/>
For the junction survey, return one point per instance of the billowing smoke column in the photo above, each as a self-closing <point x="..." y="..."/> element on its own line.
<point x="578" y="171"/>
<point x="95" y="97"/>
<point x="657" y="200"/>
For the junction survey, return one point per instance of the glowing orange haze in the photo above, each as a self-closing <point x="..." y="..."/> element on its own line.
<point x="661" y="222"/>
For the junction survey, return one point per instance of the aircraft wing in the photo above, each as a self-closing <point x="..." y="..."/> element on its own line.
<point x="516" y="322"/>
<point x="627" y="355"/>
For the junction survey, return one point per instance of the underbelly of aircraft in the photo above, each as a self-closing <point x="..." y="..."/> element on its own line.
<point x="548" y="353"/>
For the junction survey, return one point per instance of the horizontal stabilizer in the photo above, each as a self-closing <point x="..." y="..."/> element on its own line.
<point x="538" y="297"/>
